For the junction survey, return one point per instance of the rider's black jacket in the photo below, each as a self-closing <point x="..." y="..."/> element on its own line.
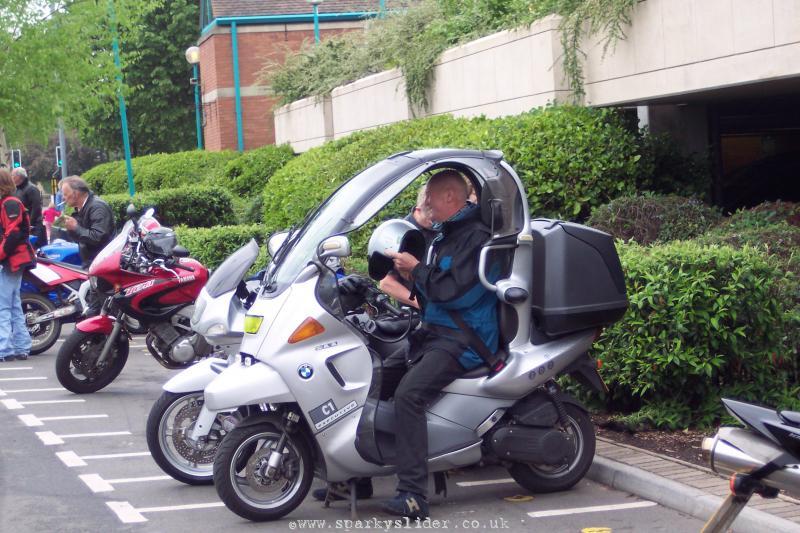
<point x="95" y="228"/>
<point x="450" y="282"/>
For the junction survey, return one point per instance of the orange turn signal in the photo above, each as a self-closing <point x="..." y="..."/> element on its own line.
<point x="307" y="329"/>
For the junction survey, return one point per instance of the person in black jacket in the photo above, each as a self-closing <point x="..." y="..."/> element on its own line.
<point x="92" y="224"/>
<point x="447" y="286"/>
<point x="32" y="200"/>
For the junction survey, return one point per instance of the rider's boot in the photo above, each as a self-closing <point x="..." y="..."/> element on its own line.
<point x="407" y="504"/>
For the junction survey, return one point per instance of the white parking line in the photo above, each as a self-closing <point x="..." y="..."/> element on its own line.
<point x="97" y="484"/>
<point x="33" y="420"/>
<point x="485" y="482"/>
<point x="129" y="515"/>
<point x="594" y="509"/>
<point x="14" y="404"/>
<point x="7" y="392"/>
<point x="72" y="459"/>
<point x="32" y="378"/>
<point x="49" y="438"/>
<point x="11" y="369"/>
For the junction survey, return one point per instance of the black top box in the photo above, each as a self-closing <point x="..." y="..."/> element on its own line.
<point x="578" y="282"/>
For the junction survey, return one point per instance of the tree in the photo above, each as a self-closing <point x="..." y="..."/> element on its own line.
<point x="55" y="58"/>
<point x="160" y="100"/>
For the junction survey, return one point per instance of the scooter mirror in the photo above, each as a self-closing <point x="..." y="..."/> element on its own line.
<point x="335" y="246"/>
<point x="275" y="241"/>
<point x="149" y="213"/>
<point x="130" y="212"/>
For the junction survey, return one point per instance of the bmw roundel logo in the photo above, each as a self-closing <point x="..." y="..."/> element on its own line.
<point x="305" y="371"/>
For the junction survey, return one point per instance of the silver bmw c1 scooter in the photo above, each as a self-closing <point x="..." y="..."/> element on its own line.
<point x="219" y="314"/>
<point x="308" y="380"/>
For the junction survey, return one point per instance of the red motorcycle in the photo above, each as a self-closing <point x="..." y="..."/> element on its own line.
<point x="149" y="285"/>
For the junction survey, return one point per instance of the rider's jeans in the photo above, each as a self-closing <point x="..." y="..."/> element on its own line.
<point x="14" y="337"/>
<point x="420" y="385"/>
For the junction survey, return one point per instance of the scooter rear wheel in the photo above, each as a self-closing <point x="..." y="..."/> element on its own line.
<point x="76" y="363"/>
<point x="44" y="335"/>
<point x="554" y="478"/>
<point x="240" y="472"/>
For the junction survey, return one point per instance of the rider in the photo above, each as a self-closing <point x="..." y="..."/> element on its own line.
<point x="450" y="290"/>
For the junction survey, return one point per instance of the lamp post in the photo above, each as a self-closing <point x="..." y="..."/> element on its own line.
<point x="315" y="4"/>
<point x="193" y="57"/>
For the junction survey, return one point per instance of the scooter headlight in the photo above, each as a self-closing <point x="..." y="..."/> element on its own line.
<point x="252" y="323"/>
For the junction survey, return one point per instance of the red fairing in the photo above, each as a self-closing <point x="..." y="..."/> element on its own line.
<point x="96" y="324"/>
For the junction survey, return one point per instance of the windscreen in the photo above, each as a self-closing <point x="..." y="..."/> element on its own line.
<point x="117" y="244"/>
<point x="228" y="275"/>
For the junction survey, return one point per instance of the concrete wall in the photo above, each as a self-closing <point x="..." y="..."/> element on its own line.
<point x="673" y="48"/>
<point x="680" y="47"/>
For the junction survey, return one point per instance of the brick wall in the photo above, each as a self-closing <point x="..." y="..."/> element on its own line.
<point x="216" y="75"/>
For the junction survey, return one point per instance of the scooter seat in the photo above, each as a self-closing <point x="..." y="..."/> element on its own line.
<point x="790" y="417"/>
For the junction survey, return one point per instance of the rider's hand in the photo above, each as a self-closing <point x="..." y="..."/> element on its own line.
<point x="70" y="223"/>
<point x="353" y="284"/>
<point x="404" y="263"/>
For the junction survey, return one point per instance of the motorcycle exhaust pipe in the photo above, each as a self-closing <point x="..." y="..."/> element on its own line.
<point x="739" y="451"/>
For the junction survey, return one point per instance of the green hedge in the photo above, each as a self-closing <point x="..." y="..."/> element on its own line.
<point x="153" y="172"/>
<point x="704" y="322"/>
<point x="651" y="218"/>
<point x="247" y="174"/>
<point x="211" y="246"/>
<point x="196" y="206"/>
<point x="570" y="158"/>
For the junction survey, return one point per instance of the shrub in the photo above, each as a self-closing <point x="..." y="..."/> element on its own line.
<point x="651" y="218"/>
<point x="762" y="215"/>
<point x="664" y="169"/>
<point x="153" y="172"/>
<point x="195" y="206"/>
<point x="211" y="246"/>
<point x="704" y="321"/>
<point x="247" y="174"/>
<point x="570" y="159"/>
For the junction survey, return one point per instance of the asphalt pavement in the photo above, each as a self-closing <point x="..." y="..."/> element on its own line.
<point x="80" y="463"/>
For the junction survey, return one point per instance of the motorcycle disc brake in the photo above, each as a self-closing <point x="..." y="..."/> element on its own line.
<point x="256" y="473"/>
<point x="196" y="453"/>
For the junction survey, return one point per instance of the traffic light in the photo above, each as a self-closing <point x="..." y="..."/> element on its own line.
<point x="16" y="159"/>
<point x="58" y="155"/>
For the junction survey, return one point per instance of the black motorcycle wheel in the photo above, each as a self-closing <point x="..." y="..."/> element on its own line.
<point x="240" y="473"/>
<point x="76" y="363"/>
<point x="45" y="334"/>
<point x="554" y="478"/>
<point x="171" y="419"/>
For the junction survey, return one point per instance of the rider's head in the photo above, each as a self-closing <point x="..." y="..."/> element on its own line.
<point x="75" y="191"/>
<point x="446" y="195"/>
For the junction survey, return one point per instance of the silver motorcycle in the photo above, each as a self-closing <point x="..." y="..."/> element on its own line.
<point x="307" y="384"/>
<point x="219" y="315"/>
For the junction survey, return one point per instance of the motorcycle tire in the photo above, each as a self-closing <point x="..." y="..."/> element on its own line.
<point x="171" y="418"/>
<point x="44" y="335"/>
<point x="239" y="472"/>
<point x="552" y="478"/>
<point x="74" y="350"/>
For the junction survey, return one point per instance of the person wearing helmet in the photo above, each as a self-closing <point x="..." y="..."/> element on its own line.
<point x="448" y="288"/>
<point x="393" y="284"/>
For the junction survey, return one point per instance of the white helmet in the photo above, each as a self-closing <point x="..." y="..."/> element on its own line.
<point x="396" y="235"/>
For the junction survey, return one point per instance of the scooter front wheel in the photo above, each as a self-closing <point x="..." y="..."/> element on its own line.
<point x="554" y="478"/>
<point x="243" y="479"/>
<point x="45" y="334"/>
<point x="77" y="368"/>
<point x="171" y="421"/>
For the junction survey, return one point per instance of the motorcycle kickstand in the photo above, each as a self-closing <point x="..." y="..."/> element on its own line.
<point x="337" y="490"/>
